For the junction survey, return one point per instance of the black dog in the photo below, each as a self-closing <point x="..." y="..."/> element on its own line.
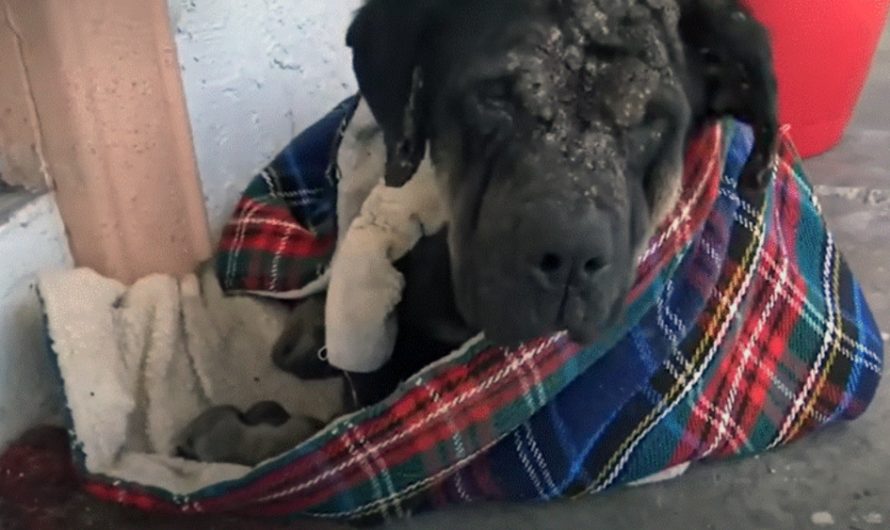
<point x="557" y="129"/>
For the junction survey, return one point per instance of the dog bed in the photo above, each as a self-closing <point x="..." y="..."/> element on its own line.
<point x="745" y="331"/>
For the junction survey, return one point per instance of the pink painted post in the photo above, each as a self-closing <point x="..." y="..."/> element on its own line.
<point x="116" y="143"/>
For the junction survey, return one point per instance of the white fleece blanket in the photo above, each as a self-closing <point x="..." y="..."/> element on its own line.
<point x="139" y="363"/>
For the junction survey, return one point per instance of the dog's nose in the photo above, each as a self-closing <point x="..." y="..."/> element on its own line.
<point x="546" y="262"/>
<point x="560" y="268"/>
<point x="566" y="249"/>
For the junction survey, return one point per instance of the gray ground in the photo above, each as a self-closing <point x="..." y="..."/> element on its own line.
<point x="840" y="475"/>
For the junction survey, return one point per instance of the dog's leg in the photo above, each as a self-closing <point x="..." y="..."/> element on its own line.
<point x="298" y="349"/>
<point x="365" y="288"/>
<point x="430" y="326"/>
<point x="226" y="435"/>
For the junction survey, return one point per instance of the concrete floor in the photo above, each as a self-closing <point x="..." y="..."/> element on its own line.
<point x="841" y="474"/>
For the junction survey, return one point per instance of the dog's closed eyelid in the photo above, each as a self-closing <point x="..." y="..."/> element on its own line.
<point x="659" y="109"/>
<point x="496" y="90"/>
<point x="646" y="140"/>
<point x="655" y="118"/>
<point x="490" y="119"/>
<point x="652" y="128"/>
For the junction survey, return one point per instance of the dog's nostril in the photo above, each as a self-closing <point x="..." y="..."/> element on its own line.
<point x="551" y="263"/>
<point x="593" y="265"/>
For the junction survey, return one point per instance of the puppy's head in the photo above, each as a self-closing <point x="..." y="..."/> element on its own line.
<point x="557" y="129"/>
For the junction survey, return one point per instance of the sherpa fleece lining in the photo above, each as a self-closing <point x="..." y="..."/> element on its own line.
<point x="139" y="363"/>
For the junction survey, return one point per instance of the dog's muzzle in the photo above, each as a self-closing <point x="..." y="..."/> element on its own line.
<point x="541" y="262"/>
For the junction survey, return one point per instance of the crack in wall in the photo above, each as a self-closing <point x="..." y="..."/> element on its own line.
<point x="31" y="102"/>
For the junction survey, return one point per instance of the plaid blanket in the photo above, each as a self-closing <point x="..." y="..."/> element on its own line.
<point x="283" y="232"/>
<point x="746" y="331"/>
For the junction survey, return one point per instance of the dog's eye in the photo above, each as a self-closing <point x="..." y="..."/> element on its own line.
<point x="494" y="91"/>
<point x="650" y="130"/>
<point x="644" y="141"/>
<point x="492" y="108"/>
<point x="656" y="124"/>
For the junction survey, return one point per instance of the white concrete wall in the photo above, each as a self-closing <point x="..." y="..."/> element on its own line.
<point x="256" y="72"/>
<point x="32" y="240"/>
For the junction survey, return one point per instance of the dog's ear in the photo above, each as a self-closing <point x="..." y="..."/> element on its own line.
<point x="730" y="65"/>
<point x="386" y="38"/>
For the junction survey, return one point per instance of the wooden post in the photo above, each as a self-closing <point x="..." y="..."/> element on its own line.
<point x="20" y="159"/>
<point x="113" y="132"/>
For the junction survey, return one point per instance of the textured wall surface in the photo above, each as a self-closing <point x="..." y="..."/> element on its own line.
<point x="256" y="72"/>
<point x="32" y="239"/>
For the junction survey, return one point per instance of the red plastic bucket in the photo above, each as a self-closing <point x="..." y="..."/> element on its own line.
<point x="823" y="52"/>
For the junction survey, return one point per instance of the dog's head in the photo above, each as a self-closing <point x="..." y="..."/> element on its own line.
<point x="557" y="129"/>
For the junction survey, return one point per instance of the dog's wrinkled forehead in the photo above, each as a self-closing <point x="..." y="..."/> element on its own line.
<point x="597" y="61"/>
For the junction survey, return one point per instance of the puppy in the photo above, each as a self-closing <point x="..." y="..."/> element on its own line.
<point x="557" y="130"/>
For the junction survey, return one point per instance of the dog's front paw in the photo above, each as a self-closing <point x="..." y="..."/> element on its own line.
<point x="360" y="318"/>
<point x="224" y="434"/>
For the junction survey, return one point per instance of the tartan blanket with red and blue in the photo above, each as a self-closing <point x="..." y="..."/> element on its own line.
<point x="745" y="331"/>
